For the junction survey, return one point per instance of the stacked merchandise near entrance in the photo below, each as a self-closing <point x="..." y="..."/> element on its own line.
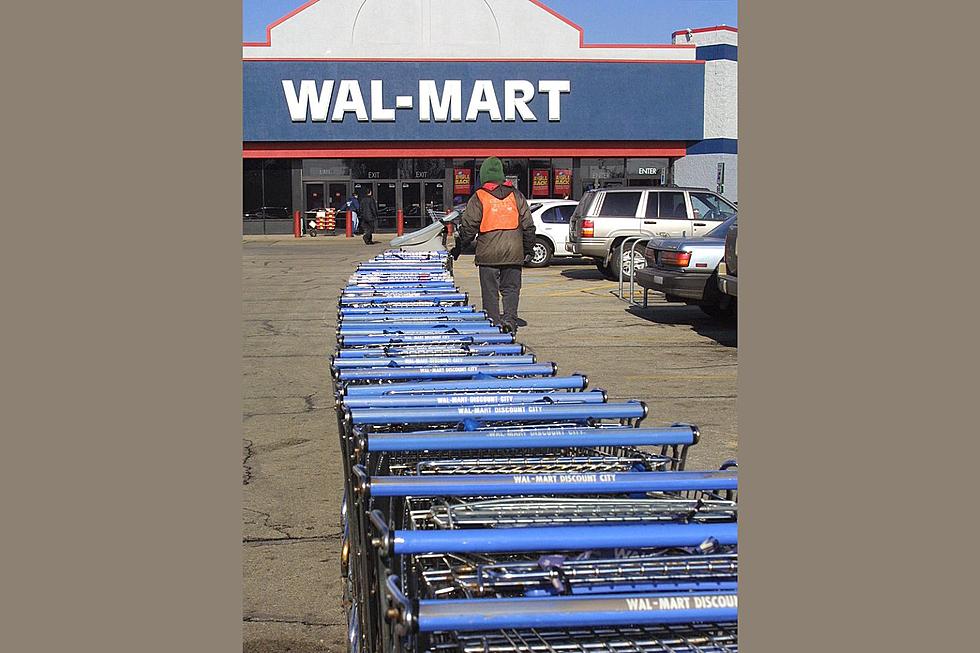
<point x="492" y="504"/>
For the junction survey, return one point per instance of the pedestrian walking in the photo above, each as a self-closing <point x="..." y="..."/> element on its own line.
<point x="498" y="218"/>
<point x="369" y="217"/>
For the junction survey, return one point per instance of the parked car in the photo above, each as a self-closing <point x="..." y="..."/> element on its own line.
<point x="267" y="213"/>
<point x="686" y="270"/>
<point x="728" y="268"/>
<point x="551" y="224"/>
<point x="606" y="217"/>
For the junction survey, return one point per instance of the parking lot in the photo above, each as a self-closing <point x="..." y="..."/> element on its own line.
<point x="682" y="363"/>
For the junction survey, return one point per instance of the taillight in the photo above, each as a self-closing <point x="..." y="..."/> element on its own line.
<point x="588" y="229"/>
<point x="675" y="259"/>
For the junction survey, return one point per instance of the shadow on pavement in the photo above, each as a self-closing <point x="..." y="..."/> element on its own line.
<point x="583" y="274"/>
<point x="722" y="331"/>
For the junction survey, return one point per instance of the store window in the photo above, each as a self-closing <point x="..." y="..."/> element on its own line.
<point x="540" y="177"/>
<point x="516" y="171"/>
<point x="267" y="187"/>
<point x="421" y="169"/>
<point x="647" y="172"/>
<point x="561" y="178"/>
<point x="321" y="168"/>
<point x="602" y="173"/>
<point x="374" y="168"/>
<point x="464" y="180"/>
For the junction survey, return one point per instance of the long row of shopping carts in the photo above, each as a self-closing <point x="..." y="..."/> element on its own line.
<point x="492" y="504"/>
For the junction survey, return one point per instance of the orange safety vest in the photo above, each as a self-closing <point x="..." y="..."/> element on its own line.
<point x="497" y="213"/>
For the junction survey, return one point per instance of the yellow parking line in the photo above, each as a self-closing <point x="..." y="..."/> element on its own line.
<point x="576" y="291"/>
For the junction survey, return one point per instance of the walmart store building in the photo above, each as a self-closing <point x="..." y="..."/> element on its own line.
<point x="407" y="98"/>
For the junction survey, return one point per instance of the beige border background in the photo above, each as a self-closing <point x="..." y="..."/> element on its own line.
<point x="852" y="153"/>
<point x="121" y="326"/>
<point x="121" y="314"/>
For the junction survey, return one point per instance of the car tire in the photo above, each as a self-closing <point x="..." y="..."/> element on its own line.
<point x="715" y="303"/>
<point x="639" y="261"/>
<point x="541" y="254"/>
<point x="603" y="269"/>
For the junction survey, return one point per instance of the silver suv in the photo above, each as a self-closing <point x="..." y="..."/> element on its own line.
<point x="605" y="217"/>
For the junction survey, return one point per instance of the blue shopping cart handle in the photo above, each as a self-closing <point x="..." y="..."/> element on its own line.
<point x="419" y="361"/>
<point x="432" y="350"/>
<point x="548" y="383"/>
<point x="470" y="338"/>
<point x="446" y="372"/>
<point x="406" y="298"/>
<point x="561" y="538"/>
<point x="477" y="485"/>
<point x="412" y="317"/>
<point x="577" y="611"/>
<point x="418" y="327"/>
<point x="387" y="310"/>
<point x="476" y="399"/>
<point x="475" y="415"/>
<point x="525" y="438"/>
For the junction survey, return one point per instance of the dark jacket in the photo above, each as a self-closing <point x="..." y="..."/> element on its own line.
<point x="369" y="209"/>
<point x="503" y="246"/>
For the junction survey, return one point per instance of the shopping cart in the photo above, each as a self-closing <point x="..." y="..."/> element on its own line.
<point x="492" y="505"/>
<point x="442" y="455"/>
<point x="569" y="551"/>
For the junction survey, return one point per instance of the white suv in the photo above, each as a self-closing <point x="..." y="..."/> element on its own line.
<point x="551" y="224"/>
<point x="605" y="218"/>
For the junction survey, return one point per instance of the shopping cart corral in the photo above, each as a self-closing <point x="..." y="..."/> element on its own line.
<point x="493" y="504"/>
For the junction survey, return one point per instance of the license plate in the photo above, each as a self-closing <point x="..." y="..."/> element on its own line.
<point x="657" y="279"/>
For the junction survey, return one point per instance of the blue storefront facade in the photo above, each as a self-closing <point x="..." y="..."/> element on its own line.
<point x="382" y="109"/>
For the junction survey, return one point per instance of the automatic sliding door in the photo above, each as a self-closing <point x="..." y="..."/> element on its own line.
<point x="434" y="197"/>
<point x="384" y="193"/>
<point x="412" y="204"/>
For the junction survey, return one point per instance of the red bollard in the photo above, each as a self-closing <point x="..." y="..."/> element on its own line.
<point x="400" y="223"/>
<point x="349" y="229"/>
<point x="297" y="232"/>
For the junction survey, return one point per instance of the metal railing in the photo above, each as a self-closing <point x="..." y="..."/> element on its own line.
<point x="635" y="240"/>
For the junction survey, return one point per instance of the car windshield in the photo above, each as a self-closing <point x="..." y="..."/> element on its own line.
<point x="721" y="230"/>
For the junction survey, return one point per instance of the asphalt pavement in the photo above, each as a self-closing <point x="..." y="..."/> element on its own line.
<point x="681" y="362"/>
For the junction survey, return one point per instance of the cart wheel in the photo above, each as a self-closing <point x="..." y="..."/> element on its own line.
<point x="311" y="233"/>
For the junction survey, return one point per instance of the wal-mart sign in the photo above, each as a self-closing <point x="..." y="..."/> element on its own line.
<point x="422" y="101"/>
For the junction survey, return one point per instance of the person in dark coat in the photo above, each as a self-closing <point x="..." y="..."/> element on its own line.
<point x="498" y="218"/>
<point x="369" y="217"/>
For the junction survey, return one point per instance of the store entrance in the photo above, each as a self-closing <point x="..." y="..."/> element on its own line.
<point x="419" y="197"/>
<point x="324" y="194"/>
<point x="385" y="192"/>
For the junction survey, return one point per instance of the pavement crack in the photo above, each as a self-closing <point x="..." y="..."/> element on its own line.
<point x="246" y="468"/>
<point x="275" y="619"/>
<point x="274" y="541"/>
<point x="266" y="517"/>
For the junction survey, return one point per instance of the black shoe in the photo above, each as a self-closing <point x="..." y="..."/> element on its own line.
<point x="509" y="328"/>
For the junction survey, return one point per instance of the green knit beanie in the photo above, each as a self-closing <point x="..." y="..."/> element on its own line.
<point x="492" y="170"/>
